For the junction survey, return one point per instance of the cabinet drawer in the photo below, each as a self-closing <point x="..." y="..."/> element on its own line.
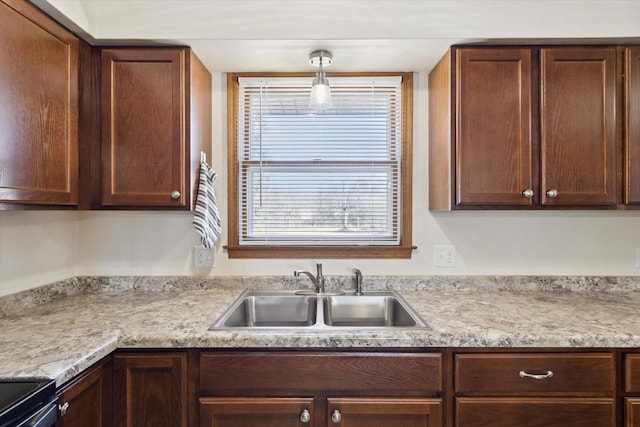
<point x="632" y="373"/>
<point x="510" y="374"/>
<point x="377" y="373"/>
<point x="535" y="412"/>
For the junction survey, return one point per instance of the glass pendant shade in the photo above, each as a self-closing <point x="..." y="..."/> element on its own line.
<point x="320" y="98"/>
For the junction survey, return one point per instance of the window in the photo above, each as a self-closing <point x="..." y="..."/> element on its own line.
<point x="335" y="183"/>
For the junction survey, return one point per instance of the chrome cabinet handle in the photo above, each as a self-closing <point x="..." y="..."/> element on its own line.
<point x="305" y="416"/>
<point x="175" y="194"/>
<point x="528" y="193"/>
<point x="552" y="193"/>
<point x="64" y="408"/>
<point x="336" y="417"/>
<point x="524" y="374"/>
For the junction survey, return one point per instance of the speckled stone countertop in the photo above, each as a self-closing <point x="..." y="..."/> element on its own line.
<point x="59" y="330"/>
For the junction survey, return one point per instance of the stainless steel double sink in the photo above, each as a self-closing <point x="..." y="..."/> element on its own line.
<point x="287" y="310"/>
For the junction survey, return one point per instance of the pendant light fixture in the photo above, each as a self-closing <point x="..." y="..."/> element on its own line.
<point x="320" y="92"/>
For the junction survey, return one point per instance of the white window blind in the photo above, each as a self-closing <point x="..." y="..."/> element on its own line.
<point x="319" y="178"/>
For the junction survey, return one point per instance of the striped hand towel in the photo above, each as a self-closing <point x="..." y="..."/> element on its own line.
<point x="206" y="218"/>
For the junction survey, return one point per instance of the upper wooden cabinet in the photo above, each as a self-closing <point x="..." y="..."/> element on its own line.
<point x="156" y="119"/>
<point x="493" y="127"/>
<point x="523" y="127"/>
<point x="632" y="126"/>
<point x="38" y="108"/>
<point x="578" y="126"/>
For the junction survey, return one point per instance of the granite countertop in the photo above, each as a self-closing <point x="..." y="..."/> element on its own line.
<point x="72" y="330"/>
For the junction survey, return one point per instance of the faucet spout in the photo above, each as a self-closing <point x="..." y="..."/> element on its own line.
<point x="318" y="281"/>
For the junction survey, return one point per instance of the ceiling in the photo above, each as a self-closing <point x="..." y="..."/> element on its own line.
<point x="363" y="35"/>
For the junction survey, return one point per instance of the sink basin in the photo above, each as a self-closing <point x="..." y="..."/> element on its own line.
<point x="289" y="310"/>
<point x="368" y="310"/>
<point x="255" y="311"/>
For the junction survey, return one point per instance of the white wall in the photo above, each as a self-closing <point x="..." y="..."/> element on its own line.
<point x="36" y="248"/>
<point x="40" y="247"/>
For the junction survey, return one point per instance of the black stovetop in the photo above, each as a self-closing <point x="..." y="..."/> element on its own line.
<point x="21" y="396"/>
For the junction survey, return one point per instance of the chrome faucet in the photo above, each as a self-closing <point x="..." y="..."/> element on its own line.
<point x="318" y="281"/>
<point x="358" y="274"/>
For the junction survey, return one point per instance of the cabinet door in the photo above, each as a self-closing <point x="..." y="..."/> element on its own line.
<point x="87" y="400"/>
<point x="384" y="412"/>
<point x="143" y="127"/>
<point x="632" y="412"/>
<point x="632" y="125"/>
<point x="493" y="127"/>
<point x="251" y="412"/>
<point x="150" y="390"/>
<point x="38" y="108"/>
<point x="578" y="126"/>
<point x="535" y="412"/>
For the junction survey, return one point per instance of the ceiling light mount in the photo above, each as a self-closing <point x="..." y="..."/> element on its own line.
<point x="320" y="98"/>
<point x="319" y="58"/>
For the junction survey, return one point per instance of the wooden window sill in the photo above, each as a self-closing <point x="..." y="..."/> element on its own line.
<point x="247" y="251"/>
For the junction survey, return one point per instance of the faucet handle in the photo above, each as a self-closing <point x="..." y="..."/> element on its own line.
<point x="358" y="274"/>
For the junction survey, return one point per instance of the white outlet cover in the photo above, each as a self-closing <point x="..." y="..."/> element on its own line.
<point x="203" y="258"/>
<point x="444" y="255"/>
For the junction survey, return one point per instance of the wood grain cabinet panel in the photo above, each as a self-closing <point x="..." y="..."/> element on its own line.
<point x="156" y="118"/>
<point x="578" y="125"/>
<point x="493" y="127"/>
<point x="632" y="412"/>
<point x="632" y="125"/>
<point x="249" y="412"/>
<point x="349" y="389"/>
<point x="632" y="373"/>
<point x="384" y="412"/>
<point x="86" y="401"/>
<point x="150" y="390"/>
<point x="529" y="127"/>
<point x="293" y="372"/>
<point x="535" y="412"/>
<point x="514" y="374"/>
<point x="38" y="108"/>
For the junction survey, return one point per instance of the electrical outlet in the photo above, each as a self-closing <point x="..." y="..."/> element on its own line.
<point x="203" y="258"/>
<point x="444" y="256"/>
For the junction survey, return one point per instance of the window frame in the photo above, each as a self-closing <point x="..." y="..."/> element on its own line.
<point x="402" y="250"/>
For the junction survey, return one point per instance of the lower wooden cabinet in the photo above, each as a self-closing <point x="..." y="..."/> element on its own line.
<point x="86" y="401"/>
<point x="150" y="390"/>
<point x="535" y="412"/>
<point x="387" y="412"/>
<point x="632" y="412"/>
<point x="264" y="412"/>
<point x="314" y="388"/>
<point x="344" y="412"/>
<point x="529" y="389"/>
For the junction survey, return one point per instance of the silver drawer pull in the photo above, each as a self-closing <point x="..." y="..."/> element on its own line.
<point x="305" y="416"/>
<point x="524" y="374"/>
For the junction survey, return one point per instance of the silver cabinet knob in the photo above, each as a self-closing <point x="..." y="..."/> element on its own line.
<point x="336" y="417"/>
<point x="305" y="416"/>
<point x="175" y="194"/>
<point x="528" y="193"/>
<point x="552" y="193"/>
<point x="64" y="408"/>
